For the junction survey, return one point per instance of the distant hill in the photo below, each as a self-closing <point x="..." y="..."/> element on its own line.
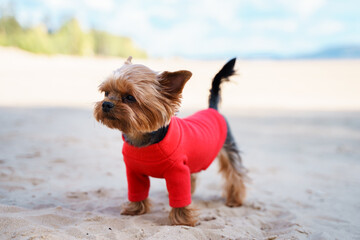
<point x="339" y="52"/>
<point x="343" y="52"/>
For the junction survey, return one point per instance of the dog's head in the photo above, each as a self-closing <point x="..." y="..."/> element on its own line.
<point x="139" y="100"/>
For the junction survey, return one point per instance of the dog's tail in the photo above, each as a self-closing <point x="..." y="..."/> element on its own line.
<point x="221" y="76"/>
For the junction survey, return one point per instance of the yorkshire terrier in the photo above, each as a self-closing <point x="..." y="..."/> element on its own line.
<point x="142" y="103"/>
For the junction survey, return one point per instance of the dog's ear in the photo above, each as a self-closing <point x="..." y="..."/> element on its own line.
<point x="174" y="82"/>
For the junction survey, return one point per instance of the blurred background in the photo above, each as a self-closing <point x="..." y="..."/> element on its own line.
<point x="284" y="49"/>
<point x="201" y="29"/>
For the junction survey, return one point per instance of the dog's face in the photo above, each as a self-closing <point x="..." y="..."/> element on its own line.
<point x="139" y="100"/>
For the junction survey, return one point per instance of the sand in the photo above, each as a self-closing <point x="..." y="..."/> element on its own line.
<point x="35" y="80"/>
<point x="62" y="174"/>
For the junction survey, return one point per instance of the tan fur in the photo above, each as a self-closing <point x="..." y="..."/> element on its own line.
<point x="183" y="216"/>
<point x="154" y="105"/>
<point x="234" y="187"/>
<point x="193" y="182"/>
<point x="137" y="208"/>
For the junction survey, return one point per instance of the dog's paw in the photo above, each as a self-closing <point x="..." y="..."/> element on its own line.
<point x="137" y="208"/>
<point x="184" y="216"/>
<point x="233" y="204"/>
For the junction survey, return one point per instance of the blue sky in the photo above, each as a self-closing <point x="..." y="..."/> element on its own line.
<point x="209" y="28"/>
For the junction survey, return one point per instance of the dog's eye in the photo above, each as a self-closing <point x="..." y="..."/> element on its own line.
<point x="130" y="98"/>
<point x="106" y="94"/>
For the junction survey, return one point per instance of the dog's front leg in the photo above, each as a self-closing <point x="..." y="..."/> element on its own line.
<point x="138" y="191"/>
<point x="178" y="183"/>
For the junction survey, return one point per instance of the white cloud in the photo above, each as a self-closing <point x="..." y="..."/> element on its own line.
<point x="288" y="25"/>
<point x="303" y="8"/>
<point x="325" y="27"/>
<point x="103" y="5"/>
<point x="29" y="19"/>
<point x="188" y="32"/>
<point x="223" y="13"/>
<point x="57" y="4"/>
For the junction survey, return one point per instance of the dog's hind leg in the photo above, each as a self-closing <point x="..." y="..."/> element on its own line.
<point x="233" y="172"/>
<point x="230" y="161"/>
<point x="193" y="182"/>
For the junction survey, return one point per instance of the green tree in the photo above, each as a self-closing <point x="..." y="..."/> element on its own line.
<point x="69" y="39"/>
<point x="110" y="45"/>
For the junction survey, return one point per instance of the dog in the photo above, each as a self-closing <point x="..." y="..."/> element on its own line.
<point x="142" y="104"/>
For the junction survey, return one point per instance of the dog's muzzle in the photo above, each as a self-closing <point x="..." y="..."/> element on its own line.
<point x="107" y="106"/>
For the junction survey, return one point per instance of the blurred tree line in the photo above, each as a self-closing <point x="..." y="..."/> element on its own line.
<point x="68" y="39"/>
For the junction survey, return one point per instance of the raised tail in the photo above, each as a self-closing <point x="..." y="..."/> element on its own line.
<point x="223" y="75"/>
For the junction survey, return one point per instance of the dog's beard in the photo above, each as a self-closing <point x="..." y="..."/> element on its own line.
<point x="109" y="119"/>
<point x="132" y="121"/>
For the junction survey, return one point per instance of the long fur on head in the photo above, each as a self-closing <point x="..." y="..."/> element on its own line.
<point x="158" y="97"/>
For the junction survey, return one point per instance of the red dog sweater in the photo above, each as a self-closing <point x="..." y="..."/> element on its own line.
<point x="190" y="145"/>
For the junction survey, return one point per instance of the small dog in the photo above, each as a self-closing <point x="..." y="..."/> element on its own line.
<point x="142" y="103"/>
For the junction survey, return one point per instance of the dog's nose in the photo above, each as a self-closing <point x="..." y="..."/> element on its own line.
<point x="107" y="106"/>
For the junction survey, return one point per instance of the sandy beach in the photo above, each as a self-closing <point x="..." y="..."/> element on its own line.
<point x="297" y="123"/>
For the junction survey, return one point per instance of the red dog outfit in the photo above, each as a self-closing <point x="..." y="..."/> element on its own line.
<point x="190" y="145"/>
